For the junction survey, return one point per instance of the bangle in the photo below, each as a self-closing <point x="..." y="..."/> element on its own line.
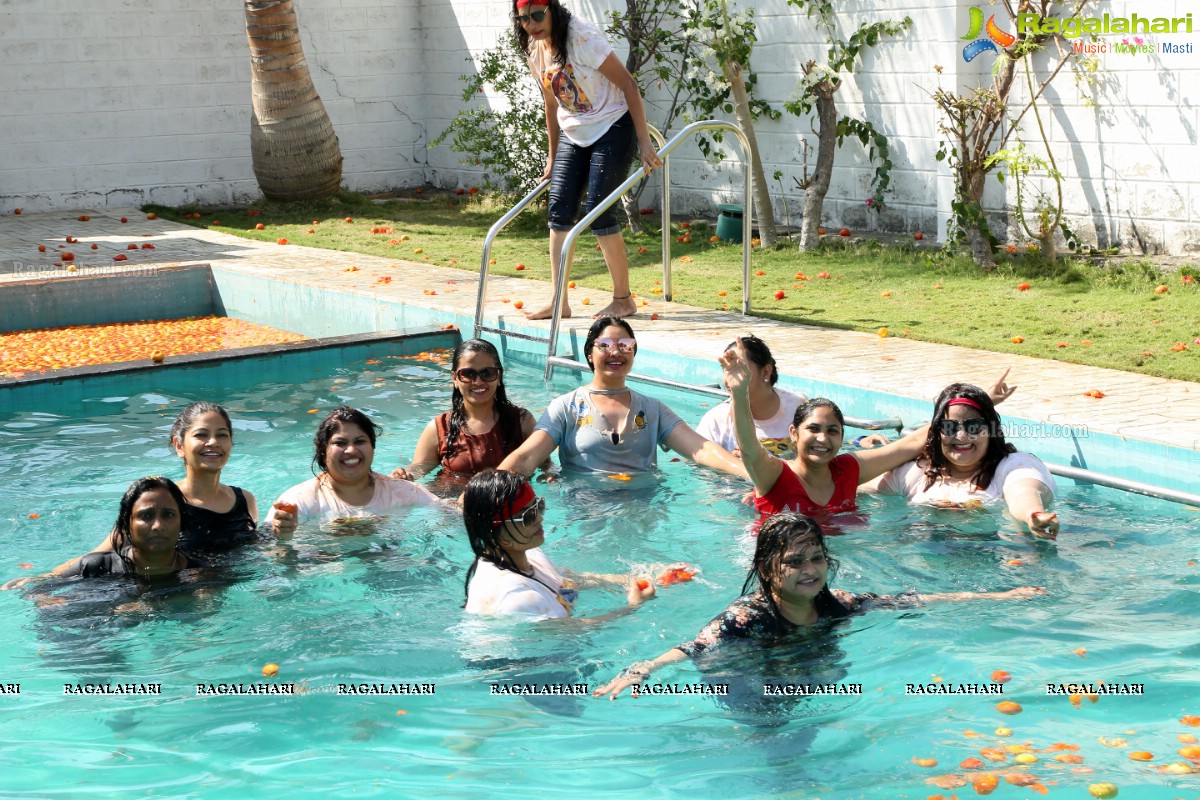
<point x="630" y="672"/>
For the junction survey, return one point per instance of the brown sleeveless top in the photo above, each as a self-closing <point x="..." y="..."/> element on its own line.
<point x="473" y="453"/>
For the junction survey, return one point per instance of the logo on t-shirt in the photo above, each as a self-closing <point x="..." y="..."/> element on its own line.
<point x="562" y="84"/>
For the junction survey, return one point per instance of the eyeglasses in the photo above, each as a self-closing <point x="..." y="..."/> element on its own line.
<point x="624" y="345"/>
<point x="530" y="514"/>
<point x="487" y="374"/>
<point x="973" y="427"/>
<point x="536" y="16"/>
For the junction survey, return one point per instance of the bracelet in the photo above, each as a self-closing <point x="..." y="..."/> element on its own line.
<point x="630" y="672"/>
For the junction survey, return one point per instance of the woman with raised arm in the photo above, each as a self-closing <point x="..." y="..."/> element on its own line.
<point x="607" y="427"/>
<point x="594" y="118"/>
<point x="964" y="462"/>
<point x="787" y="591"/>
<point x="819" y="480"/>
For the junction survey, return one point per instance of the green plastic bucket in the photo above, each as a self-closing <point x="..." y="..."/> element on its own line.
<point x="729" y="222"/>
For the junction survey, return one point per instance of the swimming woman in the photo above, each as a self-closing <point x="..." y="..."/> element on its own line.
<point x="818" y="480"/>
<point x="346" y="491"/>
<point x="510" y="573"/>
<point x="481" y="427"/>
<point x="607" y="427"/>
<point x="966" y="462"/>
<point x="150" y="522"/>
<point x="786" y="592"/>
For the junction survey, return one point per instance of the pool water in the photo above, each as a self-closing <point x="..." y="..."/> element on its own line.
<point x="386" y="608"/>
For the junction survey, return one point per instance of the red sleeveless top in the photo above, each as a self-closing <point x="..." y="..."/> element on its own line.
<point x="472" y="453"/>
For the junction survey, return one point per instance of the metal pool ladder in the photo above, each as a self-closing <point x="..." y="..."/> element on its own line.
<point x="665" y="149"/>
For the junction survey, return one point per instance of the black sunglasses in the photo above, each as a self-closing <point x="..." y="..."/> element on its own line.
<point x="487" y="374"/>
<point x="973" y="427"/>
<point x="536" y="16"/>
<point x="530" y="514"/>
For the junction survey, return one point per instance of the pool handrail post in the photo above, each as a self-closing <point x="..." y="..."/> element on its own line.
<point x="560" y="286"/>
<point x="493" y="232"/>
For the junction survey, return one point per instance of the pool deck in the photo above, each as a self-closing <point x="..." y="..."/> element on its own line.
<point x="1136" y="406"/>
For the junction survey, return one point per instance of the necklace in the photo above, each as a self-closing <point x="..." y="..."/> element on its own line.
<point x="607" y="391"/>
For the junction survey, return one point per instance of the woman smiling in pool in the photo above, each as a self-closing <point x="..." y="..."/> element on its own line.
<point x="965" y="462"/>
<point x="786" y="592"/>
<point x="608" y="427"/>
<point x="347" y="490"/>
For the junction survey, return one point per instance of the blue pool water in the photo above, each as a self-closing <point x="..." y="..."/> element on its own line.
<point x="386" y="608"/>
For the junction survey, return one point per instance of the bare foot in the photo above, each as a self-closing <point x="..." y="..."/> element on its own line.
<point x="625" y="307"/>
<point x="546" y="312"/>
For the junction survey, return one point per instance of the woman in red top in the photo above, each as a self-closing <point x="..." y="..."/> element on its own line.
<point x="817" y="482"/>
<point x="482" y="425"/>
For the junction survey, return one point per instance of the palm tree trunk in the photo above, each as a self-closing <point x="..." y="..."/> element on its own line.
<point x="293" y="147"/>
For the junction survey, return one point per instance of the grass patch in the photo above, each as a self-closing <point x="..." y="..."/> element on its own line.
<point x="1104" y="314"/>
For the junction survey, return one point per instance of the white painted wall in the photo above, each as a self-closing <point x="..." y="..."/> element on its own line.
<point x="125" y="102"/>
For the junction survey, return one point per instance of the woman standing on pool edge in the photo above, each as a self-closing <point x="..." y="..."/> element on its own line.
<point x="606" y="426"/>
<point x="594" y="111"/>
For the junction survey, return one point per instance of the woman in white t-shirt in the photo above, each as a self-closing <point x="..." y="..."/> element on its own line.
<point x="966" y="463"/>
<point x="510" y="573"/>
<point x="347" y="492"/>
<point x="594" y="113"/>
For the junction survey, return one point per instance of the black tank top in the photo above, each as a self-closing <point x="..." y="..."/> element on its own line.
<point x="209" y="530"/>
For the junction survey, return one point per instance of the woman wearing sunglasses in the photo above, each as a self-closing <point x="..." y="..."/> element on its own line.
<point x="510" y="573"/>
<point x="608" y="427"/>
<point x="594" y="115"/>
<point x="482" y="425"/>
<point x="965" y="462"/>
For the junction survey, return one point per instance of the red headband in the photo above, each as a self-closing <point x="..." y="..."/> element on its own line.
<point x="524" y="497"/>
<point x="523" y="3"/>
<point x="964" y="401"/>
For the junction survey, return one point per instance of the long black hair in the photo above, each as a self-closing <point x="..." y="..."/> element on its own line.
<point x="508" y="416"/>
<point x="594" y="333"/>
<point x="343" y="414"/>
<point x="997" y="448"/>
<point x="779" y="534"/>
<point x="489" y="494"/>
<point x="560" y="20"/>
<point x="122" y="537"/>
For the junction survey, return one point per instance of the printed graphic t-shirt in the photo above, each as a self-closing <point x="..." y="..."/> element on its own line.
<point x="577" y="428"/>
<point x="588" y="102"/>
<point x="717" y="426"/>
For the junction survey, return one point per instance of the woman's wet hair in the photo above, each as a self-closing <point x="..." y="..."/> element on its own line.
<point x="594" y="333"/>
<point x="758" y="354"/>
<point x="329" y="426"/>
<point x="187" y="419"/>
<point x="508" y="416"/>
<point x="489" y="493"/>
<point x="560" y="20"/>
<point x="122" y="537"/>
<point x="805" y="410"/>
<point x="778" y="535"/>
<point x="997" y="448"/>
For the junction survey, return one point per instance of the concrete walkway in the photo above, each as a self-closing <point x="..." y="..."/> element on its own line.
<point x="1135" y="407"/>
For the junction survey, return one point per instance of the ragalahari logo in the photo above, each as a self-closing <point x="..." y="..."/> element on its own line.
<point x="995" y="35"/>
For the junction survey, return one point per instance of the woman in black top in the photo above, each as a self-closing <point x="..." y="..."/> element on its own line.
<point x="145" y="536"/>
<point x="787" y="591"/>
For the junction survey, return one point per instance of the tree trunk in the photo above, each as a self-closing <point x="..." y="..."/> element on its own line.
<point x="293" y="147"/>
<point x="977" y="240"/>
<point x="745" y="121"/>
<point x="816" y="187"/>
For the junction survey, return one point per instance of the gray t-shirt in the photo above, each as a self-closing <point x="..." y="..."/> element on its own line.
<point x="585" y="440"/>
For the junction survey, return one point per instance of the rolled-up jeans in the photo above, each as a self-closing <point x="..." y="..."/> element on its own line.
<point x="597" y="169"/>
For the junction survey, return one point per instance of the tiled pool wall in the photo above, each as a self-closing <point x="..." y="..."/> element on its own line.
<point x="320" y="312"/>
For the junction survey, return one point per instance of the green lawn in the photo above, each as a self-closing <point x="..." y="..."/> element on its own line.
<point x="1104" y="314"/>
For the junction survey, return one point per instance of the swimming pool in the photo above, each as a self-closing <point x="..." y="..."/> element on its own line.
<point x="386" y="608"/>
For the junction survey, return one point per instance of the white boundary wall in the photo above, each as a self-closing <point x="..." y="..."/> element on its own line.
<point x="133" y="101"/>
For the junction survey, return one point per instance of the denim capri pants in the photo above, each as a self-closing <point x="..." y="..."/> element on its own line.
<point x="598" y="168"/>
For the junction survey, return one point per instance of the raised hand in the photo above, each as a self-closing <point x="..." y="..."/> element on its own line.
<point x="1001" y="391"/>
<point x="737" y="369"/>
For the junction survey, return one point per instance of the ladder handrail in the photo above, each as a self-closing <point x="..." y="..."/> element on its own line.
<point x="511" y="214"/>
<point x="638" y="175"/>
